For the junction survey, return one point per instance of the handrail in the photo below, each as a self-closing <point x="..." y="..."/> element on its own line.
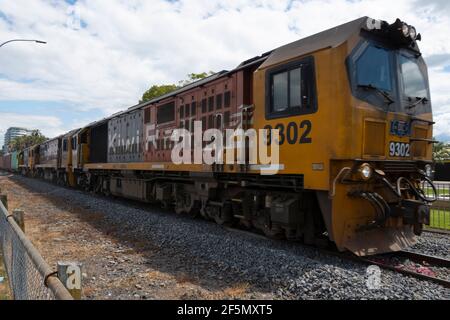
<point x="53" y="283"/>
<point x="423" y="140"/>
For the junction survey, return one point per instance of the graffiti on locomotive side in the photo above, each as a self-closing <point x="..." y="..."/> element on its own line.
<point x="258" y="148"/>
<point x="118" y="144"/>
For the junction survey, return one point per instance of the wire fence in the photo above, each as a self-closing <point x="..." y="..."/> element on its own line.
<point x="440" y="210"/>
<point x="30" y="277"/>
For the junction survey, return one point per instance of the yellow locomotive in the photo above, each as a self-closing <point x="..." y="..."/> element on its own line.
<point x="352" y="114"/>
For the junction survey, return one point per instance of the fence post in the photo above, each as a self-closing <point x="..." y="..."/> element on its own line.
<point x="70" y="275"/>
<point x="19" y="217"/>
<point x="4" y="200"/>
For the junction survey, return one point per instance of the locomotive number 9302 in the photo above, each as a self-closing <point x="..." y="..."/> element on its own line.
<point x="399" y="149"/>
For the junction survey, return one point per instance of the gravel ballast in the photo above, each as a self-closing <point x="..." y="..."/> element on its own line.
<point x="283" y="270"/>
<point x="434" y="244"/>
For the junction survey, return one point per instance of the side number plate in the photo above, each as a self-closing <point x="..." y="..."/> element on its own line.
<point x="399" y="149"/>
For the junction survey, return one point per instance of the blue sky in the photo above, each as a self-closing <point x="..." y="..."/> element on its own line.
<point x="102" y="55"/>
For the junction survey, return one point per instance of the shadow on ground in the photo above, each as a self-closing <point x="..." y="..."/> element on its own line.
<point x="209" y="275"/>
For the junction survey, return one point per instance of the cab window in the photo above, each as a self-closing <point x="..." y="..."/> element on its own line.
<point x="291" y="89"/>
<point x="373" y="68"/>
<point x="415" y="85"/>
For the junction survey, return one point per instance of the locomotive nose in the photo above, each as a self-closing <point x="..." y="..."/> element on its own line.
<point x="380" y="206"/>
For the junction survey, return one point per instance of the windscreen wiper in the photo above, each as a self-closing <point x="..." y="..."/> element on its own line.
<point x="419" y="100"/>
<point x="383" y="93"/>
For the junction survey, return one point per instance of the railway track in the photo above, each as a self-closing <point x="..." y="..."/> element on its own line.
<point x="437" y="231"/>
<point x="417" y="265"/>
<point x="420" y="266"/>
<point x="424" y="269"/>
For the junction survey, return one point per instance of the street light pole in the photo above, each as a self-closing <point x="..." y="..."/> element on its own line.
<point x="22" y="40"/>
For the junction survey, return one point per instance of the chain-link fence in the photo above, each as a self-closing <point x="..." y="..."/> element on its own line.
<point x="30" y="277"/>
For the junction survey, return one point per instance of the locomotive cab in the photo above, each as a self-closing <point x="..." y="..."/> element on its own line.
<point x="353" y="109"/>
<point x="388" y="188"/>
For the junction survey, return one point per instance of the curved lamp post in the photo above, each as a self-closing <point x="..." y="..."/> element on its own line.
<point x="22" y="40"/>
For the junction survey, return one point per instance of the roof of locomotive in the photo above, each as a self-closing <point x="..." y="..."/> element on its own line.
<point x="247" y="63"/>
<point x="328" y="38"/>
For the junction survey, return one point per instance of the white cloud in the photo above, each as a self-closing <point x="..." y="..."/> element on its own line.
<point x="443" y="130"/>
<point x="50" y="126"/>
<point x="129" y="45"/>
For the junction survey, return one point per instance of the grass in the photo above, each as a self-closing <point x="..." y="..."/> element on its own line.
<point x="440" y="219"/>
<point x="441" y="192"/>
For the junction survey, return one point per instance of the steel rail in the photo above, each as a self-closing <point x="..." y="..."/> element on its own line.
<point x="371" y="260"/>
<point x="412" y="256"/>
<point x="425" y="258"/>
<point x="417" y="275"/>
<point x="437" y="231"/>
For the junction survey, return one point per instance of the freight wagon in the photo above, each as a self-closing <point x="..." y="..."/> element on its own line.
<point x="15" y="161"/>
<point x="7" y="162"/>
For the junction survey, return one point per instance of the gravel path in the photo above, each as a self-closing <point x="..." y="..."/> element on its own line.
<point x="214" y="261"/>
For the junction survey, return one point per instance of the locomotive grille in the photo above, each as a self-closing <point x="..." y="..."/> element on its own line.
<point x="398" y="166"/>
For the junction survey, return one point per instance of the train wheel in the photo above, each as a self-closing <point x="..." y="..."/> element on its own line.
<point x="185" y="203"/>
<point x="224" y="216"/>
<point x="417" y="228"/>
<point x="194" y="208"/>
<point x="180" y="204"/>
<point x="270" y="230"/>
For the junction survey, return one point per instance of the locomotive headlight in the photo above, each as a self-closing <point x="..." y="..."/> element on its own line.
<point x="412" y="33"/>
<point x="366" y="171"/>
<point x="428" y="170"/>
<point x="405" y="30"/>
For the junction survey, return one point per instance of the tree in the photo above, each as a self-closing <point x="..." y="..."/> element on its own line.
<point x="160" y="90"/>
<point x="192" y="77"/>
<point x="157" y="91"/>
<point x="24" y="142"/>
<point x="441" y="152"/>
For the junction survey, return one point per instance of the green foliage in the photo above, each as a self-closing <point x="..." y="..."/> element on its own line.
<point x="160" y="90"/>
<point x="24" y="142"/>
<point x="192" y="77"/>
<point x="157" y="91"/>
<point x="441" y="152"/>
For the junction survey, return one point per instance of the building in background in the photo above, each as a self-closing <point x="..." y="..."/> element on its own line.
<point x="13" y="133"/>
